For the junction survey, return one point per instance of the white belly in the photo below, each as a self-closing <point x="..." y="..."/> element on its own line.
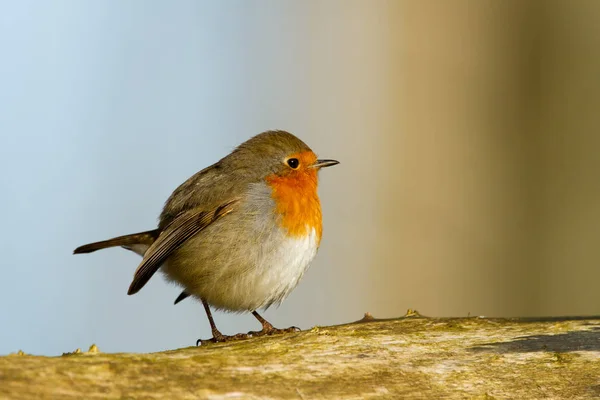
<point x="262" y="275"/>
<point x="268" y="277"/>
<point x="281" y="271"/>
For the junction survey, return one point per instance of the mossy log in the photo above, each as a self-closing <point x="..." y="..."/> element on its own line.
<point x="409" y="357"/>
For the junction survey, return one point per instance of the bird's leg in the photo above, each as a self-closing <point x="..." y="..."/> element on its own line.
<point x="217" y="336"/>
<point x="268" y="329"/>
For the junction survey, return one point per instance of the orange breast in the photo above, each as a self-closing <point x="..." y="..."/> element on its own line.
<point x="297" y="200"/>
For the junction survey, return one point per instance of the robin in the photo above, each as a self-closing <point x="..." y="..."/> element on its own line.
<point x="238" y="235"/>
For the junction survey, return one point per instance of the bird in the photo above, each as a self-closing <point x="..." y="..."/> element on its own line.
<point x="238" y="235"/>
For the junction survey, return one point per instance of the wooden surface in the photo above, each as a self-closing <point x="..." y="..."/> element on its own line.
<point x="409" y="357"/>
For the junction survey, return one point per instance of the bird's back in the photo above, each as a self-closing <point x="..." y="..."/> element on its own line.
<point x="229" y="177"/>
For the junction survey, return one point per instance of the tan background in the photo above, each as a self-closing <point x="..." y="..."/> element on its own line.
<point x="480" y="159"/>
<point x="467" y="132"/>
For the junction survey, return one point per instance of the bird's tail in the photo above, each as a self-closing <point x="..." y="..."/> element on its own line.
<point x="135" y="242"/>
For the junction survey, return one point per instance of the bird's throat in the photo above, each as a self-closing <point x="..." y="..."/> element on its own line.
<point x="297" y="202"/>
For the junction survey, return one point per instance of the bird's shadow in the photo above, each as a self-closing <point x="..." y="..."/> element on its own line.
<point x="588" y="340"/>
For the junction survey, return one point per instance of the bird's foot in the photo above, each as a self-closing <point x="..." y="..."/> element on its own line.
<point x="271" y="330"/>
<point x="218" y="337"/>
<point x="268" y="329"/>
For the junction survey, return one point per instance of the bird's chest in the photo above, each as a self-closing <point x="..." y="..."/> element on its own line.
<point x="291" y="256"/>
<point x="287" y="233"/>
<point x="297" y="205"/>
<point x="283" y="263"/>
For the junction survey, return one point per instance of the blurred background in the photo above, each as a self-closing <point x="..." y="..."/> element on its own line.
<point x="468" y="133"/>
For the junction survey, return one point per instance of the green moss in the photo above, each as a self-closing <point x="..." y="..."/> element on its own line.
<point x="562" y="358"/>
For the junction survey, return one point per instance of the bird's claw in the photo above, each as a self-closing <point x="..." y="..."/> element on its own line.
<point x="220" y="338"/>
<point x="267" y="331"/>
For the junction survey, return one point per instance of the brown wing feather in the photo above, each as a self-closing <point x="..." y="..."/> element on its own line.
<point x="174" y="235"/>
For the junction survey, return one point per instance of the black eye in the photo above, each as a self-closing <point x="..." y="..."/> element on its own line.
<point x="293" y="163"/>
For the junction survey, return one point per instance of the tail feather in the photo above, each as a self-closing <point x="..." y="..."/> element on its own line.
<point x="182" y="296"/>
<point x="145" y="238"/>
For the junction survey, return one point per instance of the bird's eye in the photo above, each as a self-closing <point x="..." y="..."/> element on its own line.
<point x="293" y="163"/>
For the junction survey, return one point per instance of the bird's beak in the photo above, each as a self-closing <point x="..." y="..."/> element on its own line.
<point x="324" y="163"/>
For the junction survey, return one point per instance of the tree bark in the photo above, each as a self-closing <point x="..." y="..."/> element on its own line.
<point x="408" y="357"/>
